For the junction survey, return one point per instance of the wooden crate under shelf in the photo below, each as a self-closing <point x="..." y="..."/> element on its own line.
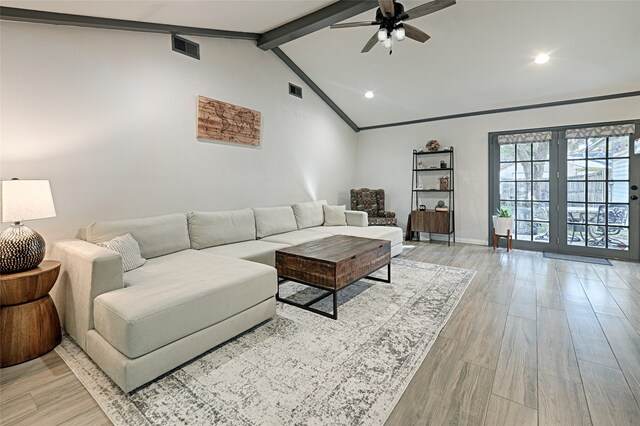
<point x="430" y="221"/>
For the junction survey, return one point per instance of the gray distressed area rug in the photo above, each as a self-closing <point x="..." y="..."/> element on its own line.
<point x="299" y="368"/>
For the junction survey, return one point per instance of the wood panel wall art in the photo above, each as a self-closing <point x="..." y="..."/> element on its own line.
<point x="226" y="122"/>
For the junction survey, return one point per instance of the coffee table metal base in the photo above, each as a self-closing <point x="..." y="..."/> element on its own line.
<point x="328" y="292"/>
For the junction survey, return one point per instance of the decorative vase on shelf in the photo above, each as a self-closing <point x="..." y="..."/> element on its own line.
<point x="432" y="145"/>
<point x="444" y="183"/>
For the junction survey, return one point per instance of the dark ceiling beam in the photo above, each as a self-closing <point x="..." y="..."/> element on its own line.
<point x="304" y="77"/>
<point x="41" y="17"/>
<point x="508" y="109"/>
<point x="335" y="12"/>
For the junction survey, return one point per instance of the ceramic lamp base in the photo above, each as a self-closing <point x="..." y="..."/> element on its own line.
<point x="21" y="249"/>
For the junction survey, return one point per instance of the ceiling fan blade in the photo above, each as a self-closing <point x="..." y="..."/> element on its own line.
<point x="415" y="34"/>
<point x="387" y="8"/>
<point x="353" y="24"/>
<point x="426" y="9"/>
<point x="372" y="42"/>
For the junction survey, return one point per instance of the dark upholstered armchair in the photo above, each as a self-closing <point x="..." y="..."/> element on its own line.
<point x="372" y="202"/>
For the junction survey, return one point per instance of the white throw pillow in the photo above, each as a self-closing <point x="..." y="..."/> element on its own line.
<point x="274" y="220"/>
<point x="156" y="235"/>
<point x="334" y="215"/>
<point x="308" y="214"/>
<point x="209" y="229"/>
<point x="128" y="249"/>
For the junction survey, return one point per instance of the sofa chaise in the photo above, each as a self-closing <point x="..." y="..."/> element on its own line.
<point x="208" y="277"/>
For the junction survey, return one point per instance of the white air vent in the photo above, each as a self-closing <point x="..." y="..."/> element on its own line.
<point x="184" y="46"/>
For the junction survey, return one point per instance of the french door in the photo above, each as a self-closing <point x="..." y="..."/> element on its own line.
<point x="570" y="190"/>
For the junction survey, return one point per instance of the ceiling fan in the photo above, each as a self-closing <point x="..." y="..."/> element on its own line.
<point x="391" y="18"/>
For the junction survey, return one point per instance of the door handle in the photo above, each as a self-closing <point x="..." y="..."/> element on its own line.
<point x="634" y="187"/>
<point x="634" y="197"/>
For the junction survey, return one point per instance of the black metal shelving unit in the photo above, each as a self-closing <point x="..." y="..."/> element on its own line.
<point x="423" y="224"/>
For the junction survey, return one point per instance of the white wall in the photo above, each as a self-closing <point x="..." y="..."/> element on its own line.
<point x="385" y="158"/>
<point x="109" y="117"/>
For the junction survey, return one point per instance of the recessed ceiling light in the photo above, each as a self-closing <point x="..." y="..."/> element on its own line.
<point x="368" y="94"/>
<point x="542" y="58"/>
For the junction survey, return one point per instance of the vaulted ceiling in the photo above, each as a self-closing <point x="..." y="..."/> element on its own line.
<point x="480" y="55"/>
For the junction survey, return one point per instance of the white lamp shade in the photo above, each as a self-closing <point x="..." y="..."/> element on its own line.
<point x="26" y="200"/>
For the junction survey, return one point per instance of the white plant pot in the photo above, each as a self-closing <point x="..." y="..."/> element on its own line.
<point x="503" y="225"/>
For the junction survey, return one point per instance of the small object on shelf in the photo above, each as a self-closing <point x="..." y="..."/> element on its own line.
<point x="419" y="186"/>
<point x="420" y="164"/>
<point x="444" y="183"/>
<point x="441" y="207"/>
<point x="432" y="145"/>
<point x="443" y="164"/>
<point x="434" y="167"/>
<point x="423" y="207"/>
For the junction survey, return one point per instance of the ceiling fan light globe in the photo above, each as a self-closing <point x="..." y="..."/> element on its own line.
<point x="400" y="33"/>
<point x="387" y="43"/>
<point x="382" y="34"/>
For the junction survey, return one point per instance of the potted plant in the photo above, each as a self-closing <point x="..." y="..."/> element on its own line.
<point x="503" y="222"/>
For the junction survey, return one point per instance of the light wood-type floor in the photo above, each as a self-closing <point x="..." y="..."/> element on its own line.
<point x="532" y="341"/>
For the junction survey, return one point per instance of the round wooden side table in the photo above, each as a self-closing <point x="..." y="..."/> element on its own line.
<point x="29" y="323"/>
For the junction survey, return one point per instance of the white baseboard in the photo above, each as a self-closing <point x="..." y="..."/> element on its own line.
<point x="435" y="237"/>
<point x="472" y="241"/>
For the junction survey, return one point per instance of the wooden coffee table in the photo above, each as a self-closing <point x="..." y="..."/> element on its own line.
<point x="332" y="264"/>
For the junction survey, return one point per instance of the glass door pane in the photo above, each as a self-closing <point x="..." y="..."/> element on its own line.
<point x="597" y="199"/>
<point x="524" y="189"/>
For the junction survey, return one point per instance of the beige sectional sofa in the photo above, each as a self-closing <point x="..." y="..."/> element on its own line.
<point x="208" y="277"/>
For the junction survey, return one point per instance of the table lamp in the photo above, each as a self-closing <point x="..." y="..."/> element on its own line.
<point x="22" y="248"/>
